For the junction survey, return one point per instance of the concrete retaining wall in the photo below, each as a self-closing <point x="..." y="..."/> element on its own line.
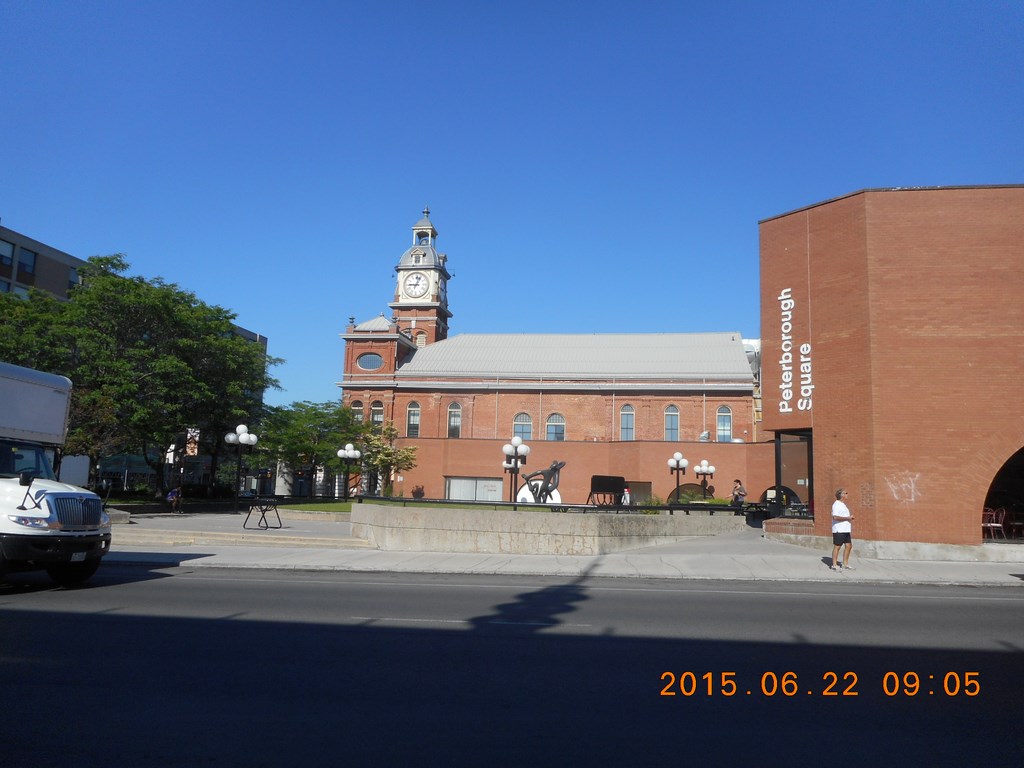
<point x="525" y="532"/>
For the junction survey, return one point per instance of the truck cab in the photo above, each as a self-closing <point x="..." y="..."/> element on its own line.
<point x="44" y="524"/>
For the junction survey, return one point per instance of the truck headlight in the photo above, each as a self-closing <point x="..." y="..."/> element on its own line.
<point x="33" y="522"/>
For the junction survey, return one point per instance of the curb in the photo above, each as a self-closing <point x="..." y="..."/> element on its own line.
<point x="155" y="538"/>
<point x="169" y="559"/>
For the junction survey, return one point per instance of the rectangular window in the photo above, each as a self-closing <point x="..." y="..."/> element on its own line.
<point x="6" y="253"/>
<point x="26" y="261"/>
<point x="454" y="422"/>
<point x="5" y="286"/>
<point x="556" y="431"/>
<point x="474" y="488"/>
<point x="412" y="424"/>
<point x="672" y="427"/>
<point x="626" y="425"/>
<point x="724" y="425"/>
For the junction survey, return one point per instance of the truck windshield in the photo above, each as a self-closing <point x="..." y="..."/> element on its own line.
<point x="17" y="457"/>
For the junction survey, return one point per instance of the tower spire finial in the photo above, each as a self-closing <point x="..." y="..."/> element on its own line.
<point x="426" y="211"/>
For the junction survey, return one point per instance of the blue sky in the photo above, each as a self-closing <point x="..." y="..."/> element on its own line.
<point x="591" y="167"/>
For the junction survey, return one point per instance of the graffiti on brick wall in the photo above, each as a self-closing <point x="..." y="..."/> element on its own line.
<point x="903" y="486"/>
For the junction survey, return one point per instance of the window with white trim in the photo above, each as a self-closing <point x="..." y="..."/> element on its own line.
<point x="724" y="425"/>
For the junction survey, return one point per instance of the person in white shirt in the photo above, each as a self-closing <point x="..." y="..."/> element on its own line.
<point x="841" y="531"/>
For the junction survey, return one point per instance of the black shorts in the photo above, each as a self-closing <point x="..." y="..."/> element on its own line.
<point x="842" y="538"/>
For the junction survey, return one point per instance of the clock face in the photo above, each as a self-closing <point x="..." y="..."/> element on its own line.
<point x="416" y="285"/>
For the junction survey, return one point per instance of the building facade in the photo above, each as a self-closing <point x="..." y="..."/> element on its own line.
<point x="26" y="263"/>
<point x="892" y="358"/>
<point x="606" y="404"/>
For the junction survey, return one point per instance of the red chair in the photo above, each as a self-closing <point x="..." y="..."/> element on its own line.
<point x="992" y="522"/>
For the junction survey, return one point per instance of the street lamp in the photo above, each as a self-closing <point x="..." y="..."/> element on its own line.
<point x="515" y="457"/>
<point x="241" y="436"/>
<point x="678" y="465"/>
<point x="348" y="454"/>
<point x="704" y="472"/>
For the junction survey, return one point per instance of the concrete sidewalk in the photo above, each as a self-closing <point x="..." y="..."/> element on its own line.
<point x="319" y="542"/>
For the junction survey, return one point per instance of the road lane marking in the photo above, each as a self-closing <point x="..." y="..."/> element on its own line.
<point x="659" y="590"/>
<point x="467" y="621"/>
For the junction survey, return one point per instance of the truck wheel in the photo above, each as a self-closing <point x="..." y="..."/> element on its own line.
<point x="72" y="574"/>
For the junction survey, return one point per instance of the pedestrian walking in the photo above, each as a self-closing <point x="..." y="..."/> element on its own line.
<point x="739" y="493"/>
<point x="842" y="528"/>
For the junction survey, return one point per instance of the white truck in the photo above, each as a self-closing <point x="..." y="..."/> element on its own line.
<point x="44" y="524"/>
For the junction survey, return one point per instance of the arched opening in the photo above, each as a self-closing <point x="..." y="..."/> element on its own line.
<point x="1003" y="515"/>
<point x="689" y="492"/>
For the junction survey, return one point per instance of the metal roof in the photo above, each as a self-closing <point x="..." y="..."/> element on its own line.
<point x="380" y="323"/>
<point x="429" y="257"/>
<point x="690" y="356"/>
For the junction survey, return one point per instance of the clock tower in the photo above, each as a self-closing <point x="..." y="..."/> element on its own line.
<point x="421" y="291"/>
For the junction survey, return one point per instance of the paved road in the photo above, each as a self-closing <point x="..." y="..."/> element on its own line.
<point x="160" y="667"/>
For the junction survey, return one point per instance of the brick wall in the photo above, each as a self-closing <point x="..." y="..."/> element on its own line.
<point x="589" y="416"/>
<point x="637" y="462"/>
<point x="914" y="314"/>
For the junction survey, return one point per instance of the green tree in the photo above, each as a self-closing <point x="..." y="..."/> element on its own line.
<point x="383" y="458"/>
<point x="309" y="434"/>
<point x="147" y="359"/>
<point x="31" y="333"/>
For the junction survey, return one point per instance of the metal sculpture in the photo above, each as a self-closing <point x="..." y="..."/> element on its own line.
<point x="543" y="484"/>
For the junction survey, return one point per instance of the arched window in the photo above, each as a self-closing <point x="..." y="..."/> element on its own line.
<point x="377" y="413"/>
<point x="454" y="420"/>
<point x="724" y="425"/>
<point x="412" y="420"/>
<point x="626" y="422"/>
<point x="671" y="424"/>
<point x="357" y="411"/>
<point x="555" y="427"/>
<point x="522" y="426"/>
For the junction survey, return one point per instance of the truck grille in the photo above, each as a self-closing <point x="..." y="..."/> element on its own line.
<point x="75" y="512"/>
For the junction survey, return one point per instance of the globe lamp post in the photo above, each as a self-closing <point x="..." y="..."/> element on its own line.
<point x="241" y="436"/>
<point x="705" y="472"/>
<point x="515" y="452"/>
<point x="678" y="465"/>
<point x="348" y="454"/>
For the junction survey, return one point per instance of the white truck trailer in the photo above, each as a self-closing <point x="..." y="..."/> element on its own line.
<point x="44" y="524"/>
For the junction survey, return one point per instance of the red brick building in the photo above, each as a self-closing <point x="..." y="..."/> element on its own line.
<point x="606" y="404"/>
<point x="892" y="325"/>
